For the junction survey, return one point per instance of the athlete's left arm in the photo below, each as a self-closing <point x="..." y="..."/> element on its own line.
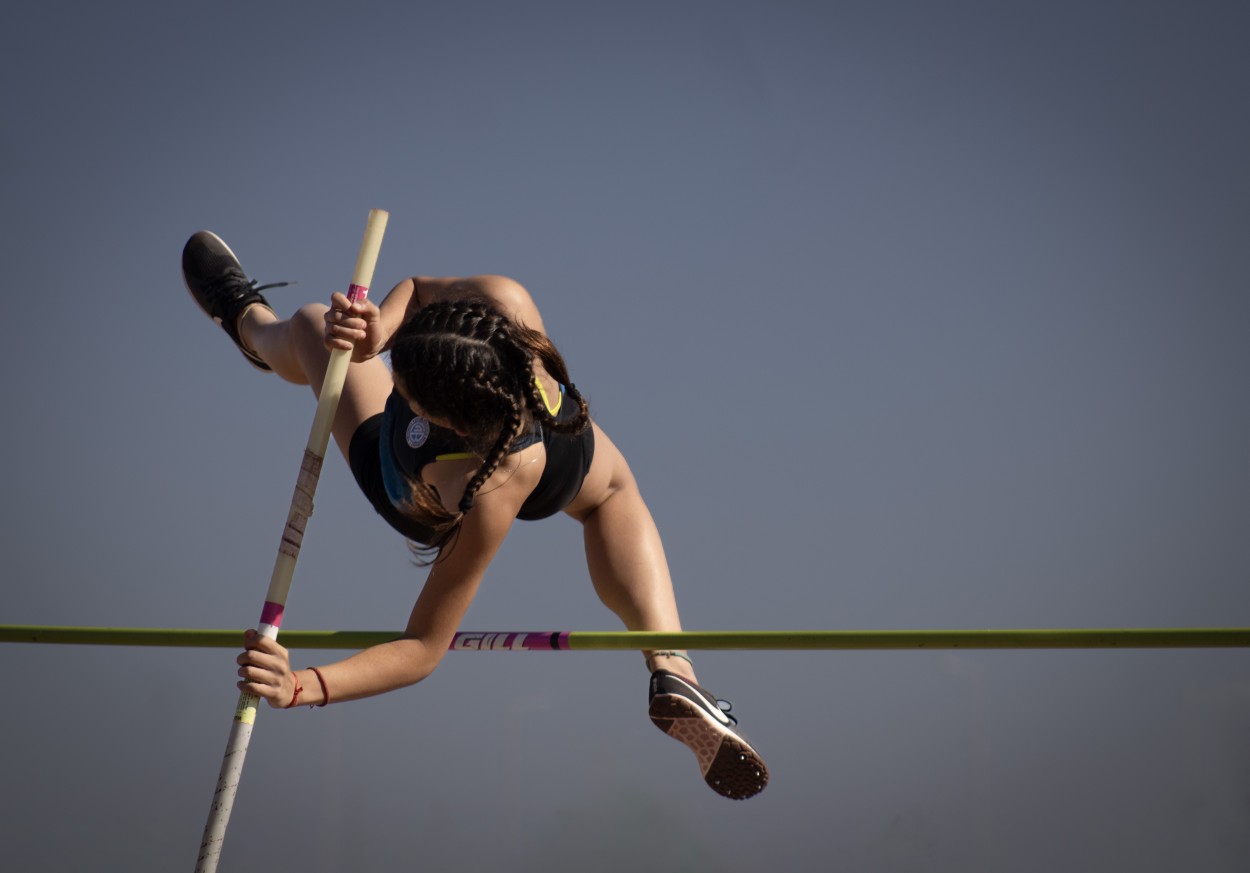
<point x="454" y="579"/>
<point x="452" y="583"/>
<point x="449" y="589"/>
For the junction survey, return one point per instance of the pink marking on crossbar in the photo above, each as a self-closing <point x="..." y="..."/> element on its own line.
<point x="271" y="614"/>
<point x="487" y="641"/>
<point x="356" y="293"/>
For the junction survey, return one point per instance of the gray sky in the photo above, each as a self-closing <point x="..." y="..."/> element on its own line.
<point x="907" y="314"/>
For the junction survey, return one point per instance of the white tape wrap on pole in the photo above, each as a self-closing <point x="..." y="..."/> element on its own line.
<point x="288" y="551"/>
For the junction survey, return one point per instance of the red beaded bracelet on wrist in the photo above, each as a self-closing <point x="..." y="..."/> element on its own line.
<point x="298" y="689"/>
<point x="325" y="692"/>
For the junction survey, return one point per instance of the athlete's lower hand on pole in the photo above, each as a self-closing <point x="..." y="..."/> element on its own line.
<point x="265" y="670"/>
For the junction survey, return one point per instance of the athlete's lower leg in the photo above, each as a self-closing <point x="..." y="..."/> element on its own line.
<point x="630" y="573"/>
<point x="292" y="347"/>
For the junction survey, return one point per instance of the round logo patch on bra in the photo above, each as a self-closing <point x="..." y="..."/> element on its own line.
<point x="418" y="432"/>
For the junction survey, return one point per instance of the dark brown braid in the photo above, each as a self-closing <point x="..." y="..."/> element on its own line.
<point x="466" y="362"/>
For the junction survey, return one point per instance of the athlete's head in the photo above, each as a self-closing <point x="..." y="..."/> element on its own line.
<point x="466" y="365"/>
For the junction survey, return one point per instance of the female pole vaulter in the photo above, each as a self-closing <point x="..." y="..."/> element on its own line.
<point x="475" y="424"/>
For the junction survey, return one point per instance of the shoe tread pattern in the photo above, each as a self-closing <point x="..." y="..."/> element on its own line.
<point x="729" y="765"/>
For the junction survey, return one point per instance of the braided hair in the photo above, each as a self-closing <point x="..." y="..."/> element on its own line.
<point x="466" y="362"/>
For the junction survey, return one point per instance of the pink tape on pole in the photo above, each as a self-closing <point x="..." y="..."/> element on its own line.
<point x="271" y="614"/>
<point x="356" y="293"/>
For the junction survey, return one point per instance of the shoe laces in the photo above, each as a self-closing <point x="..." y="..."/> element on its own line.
<point x="238" y="285"/>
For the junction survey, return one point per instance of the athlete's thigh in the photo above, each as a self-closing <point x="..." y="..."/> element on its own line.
<point x="609" y="472"/>
<point x="364" y="395"/>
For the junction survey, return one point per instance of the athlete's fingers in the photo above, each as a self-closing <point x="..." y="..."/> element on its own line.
<point x="264" y="652"/>
<point x="338" y="318"/>
<point x="260" y="676"/>
<point x="365" y="308"/>
<point x="254" y="640"/>
<point x="275" y="695"/>
<point x="265" y="670"/>
<point x="275" y="664"/>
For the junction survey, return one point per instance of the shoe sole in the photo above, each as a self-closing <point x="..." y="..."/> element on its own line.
<point x="729" y="765"/>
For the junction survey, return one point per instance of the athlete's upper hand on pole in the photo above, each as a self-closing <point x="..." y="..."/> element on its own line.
<point x="356" y="326"/>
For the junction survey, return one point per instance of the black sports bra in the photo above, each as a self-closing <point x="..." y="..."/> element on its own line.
<point x="409" y="442"/>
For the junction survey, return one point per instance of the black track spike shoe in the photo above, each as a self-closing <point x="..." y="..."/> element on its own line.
<point x="689" y="714"/>
<point x="216" y="280"/>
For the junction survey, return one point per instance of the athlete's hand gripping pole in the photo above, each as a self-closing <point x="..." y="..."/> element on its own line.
<point x="288" y="551"/>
